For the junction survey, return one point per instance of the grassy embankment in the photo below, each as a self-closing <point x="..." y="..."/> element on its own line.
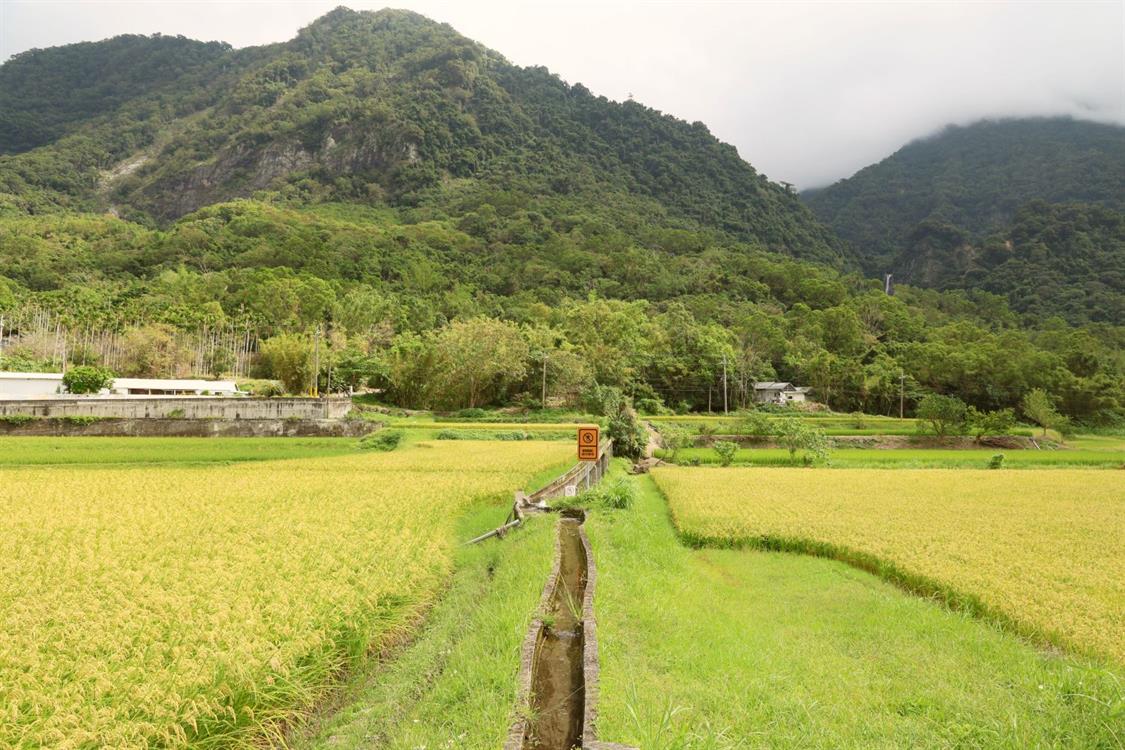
<point x="721" y="649"/>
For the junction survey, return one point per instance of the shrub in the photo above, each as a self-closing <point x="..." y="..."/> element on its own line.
<point x="474" y="413"/>
<point x="629" y="437"/>
<point x="754" y="422"/>
<point x="999" y="422"/>
<point x="176" y="414"/>
<point x="797" y="435"/>
<point x="81" y="419"/>
<point x="996" y="461"/>
<point x="383" y="440"/>
<point x="85" y="379"/>
<point x="652" y="406"/>
<point x="859" y="420"/>
<point x="17" y="419"/>
<point x="616" y="495"/>
<point x="726" y="450"/>
<point x="675" y="439"/>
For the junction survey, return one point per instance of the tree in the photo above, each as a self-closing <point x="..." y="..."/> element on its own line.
<point x="1040" y="409"/>
<point x="288" y="357"/>
<point x="999" y="422"/>
<point x="86" y="379"/>
<point x="945" y="414"/>
<point x="478" y="359"/>
<point x="795" y="434"/>
<point x="154" y="351"/>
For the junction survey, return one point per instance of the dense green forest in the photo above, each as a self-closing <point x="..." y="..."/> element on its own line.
<point x="433" y="221"/>
<point x="973" y="207"/>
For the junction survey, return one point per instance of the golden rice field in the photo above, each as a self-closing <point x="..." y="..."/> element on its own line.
<point x="1043" y="551"/>
<point x="162" y="606"/>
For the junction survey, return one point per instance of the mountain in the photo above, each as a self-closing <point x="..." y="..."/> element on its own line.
<point x="400" y="195"/>
<point x="953" y="211"/>
<point x="363" y="107"/>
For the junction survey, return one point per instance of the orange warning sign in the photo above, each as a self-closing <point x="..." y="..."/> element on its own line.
<point x="587" y="443"/>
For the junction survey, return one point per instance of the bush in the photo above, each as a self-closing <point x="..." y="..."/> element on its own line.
<point x="17" y="419"/>
<point x="753" y="422"/>
<point x="996" y="461"/>
<point x="859" y="420"/>
<point x="80" y="419"/>
<point x="998" y="422"/>
<point x="487" y="435"/>
<point x="176" y="414"/>
<point x="675" y="439"/>
<point x="652" y="406"/>
<point x="383" y="440"/>
<point x="629" y="437"/>
<point x="474" y="413"/>
<point x="616" y="495"/>
<point x="796" y="435"/>
<point x="726" y="451"/>
<point x="85" y="379"/>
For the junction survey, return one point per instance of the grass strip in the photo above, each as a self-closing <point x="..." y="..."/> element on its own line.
<point x="715" y="649"/>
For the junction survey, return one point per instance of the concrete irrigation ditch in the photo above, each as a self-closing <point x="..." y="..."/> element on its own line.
<point x="558" y="676"/>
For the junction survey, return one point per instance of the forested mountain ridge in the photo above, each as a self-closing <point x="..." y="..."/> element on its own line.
<point x="951" y="211"/>
<point x="387" y="107"/>
<point x="419" y="207"/>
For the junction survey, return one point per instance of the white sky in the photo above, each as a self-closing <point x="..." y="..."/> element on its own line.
<point x="809" y="92"/>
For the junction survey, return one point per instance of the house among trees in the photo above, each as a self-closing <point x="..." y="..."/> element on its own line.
<point x="779" y="393"/>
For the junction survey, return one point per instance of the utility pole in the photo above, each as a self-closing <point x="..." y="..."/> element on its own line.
<point x="901" y="392"/>
<point x="316" y="361"/>
<point x="543" y="401"/>
<point x="725" y="385"/>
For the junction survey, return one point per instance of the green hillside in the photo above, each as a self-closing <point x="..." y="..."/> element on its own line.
<point x="379" y="107"/>
<point x="968" y="208"/>
<point x="426" y="216"/>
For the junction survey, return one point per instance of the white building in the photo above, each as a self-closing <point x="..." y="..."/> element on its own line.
<point x="170" y="387"/>
<point x="23" y="385"/>
<point x="17" y="385"/>
<point x="779" y="393"/>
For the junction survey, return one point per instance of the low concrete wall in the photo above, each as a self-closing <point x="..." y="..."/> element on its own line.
<point x="192" y="407"/>
<point x="61" y="427"/>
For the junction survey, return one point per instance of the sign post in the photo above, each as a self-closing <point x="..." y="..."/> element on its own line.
<point x="587" y="443"/>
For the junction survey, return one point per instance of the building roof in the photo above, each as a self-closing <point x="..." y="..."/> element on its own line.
<point x="30" y="376"/>
<point x="772" y="386"/>
<point x="168" y="384"/>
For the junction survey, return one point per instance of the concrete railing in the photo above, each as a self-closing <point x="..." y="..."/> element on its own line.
<point x="581" y="476"/>
<point x="185" y="407"/>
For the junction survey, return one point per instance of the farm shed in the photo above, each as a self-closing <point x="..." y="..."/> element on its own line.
<point x="779" y="393"/>
<point x="169" y="387"/>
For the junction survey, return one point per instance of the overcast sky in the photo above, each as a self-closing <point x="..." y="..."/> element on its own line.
<point x="809" y="92"/>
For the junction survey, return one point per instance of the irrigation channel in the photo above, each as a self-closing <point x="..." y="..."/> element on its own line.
<point x="558" y="674"/>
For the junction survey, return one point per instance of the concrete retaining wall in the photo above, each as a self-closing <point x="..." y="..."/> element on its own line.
<point x="61" y="427"/>
<point x="197" y="407"/>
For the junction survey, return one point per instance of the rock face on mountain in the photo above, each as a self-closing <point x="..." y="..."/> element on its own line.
<point x="368" y="107"/>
